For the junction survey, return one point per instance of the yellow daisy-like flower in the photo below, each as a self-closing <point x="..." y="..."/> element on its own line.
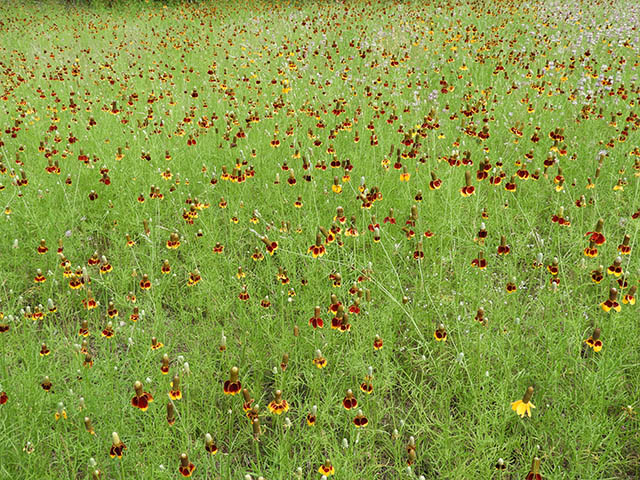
<point x="524" y="406"/>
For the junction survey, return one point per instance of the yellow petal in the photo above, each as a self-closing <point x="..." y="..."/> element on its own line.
<point x="522" y="408"/>
<point x="514" y="405"/>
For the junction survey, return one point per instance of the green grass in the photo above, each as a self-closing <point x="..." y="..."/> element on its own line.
<point x="452" y="397"/>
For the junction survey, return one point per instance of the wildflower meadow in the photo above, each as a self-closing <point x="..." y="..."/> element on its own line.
<point x="287" y="239"/>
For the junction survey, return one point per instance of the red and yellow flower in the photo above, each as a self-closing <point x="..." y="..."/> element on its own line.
<point x="316" y="321"/>
<point x="312" y="416"/>
<point x="591" y="250"/>
<point x="164" y="366"/>
<point x="243" y="295"/>
<point x="612" y="302"/>
<point x="141" y="399"/>
<point x="594" y="341"/>
<point x="233" y="385"/>
<point x="117" y="446"/>
<point x="271" y="246"/>
<point x="552" y="268"/>
<point x="479" y="262"/>
<point x="318" y="360"/>
<point x="349" y="402"/>
<point x="84" y="329"/>
<point x="186" y="467"/>
<point x="318" y="249"/>
<point x="194" y="278"/>
<point x="534" y="473"/>
<point x="145" y="283"/>
<point x="597" y="274"/>
<point x="630" y="296"/>
<point x="46" y="385"/>
<point x="615" y="268"/>
<point x="42" y="248"/>
<point x="435" y="182"/>
<point x="108" y="332"/>
<point x="112" y="311"/>
<point x="326" y="469"/>
<point x="175" y="393"/>
<point x="360" y="421"/>
<point x="440" y="334"/>
<point x="39" y="277"/>
<point x="209" y="444"/>
<point x="596" y="236"/>
<point x="278" y="405"/>
<point x="624" y="248"/>
<point x="468" y="189"/>
<point x="503" y="248"/>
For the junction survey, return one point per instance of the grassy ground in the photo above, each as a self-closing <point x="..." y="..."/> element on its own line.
<point x="101" y="106"/>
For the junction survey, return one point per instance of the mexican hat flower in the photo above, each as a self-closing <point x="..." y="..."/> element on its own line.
<point x="503" y="248"/>
<point x="435" y="182"/>
<point x="630" y="296"/>
<point x="141" y="399"/>
<point x="318" y="360"/>
<point x="271" y="246"/>
<point x="117" y="447"/>
<point x="624" y="248"/>
<point x="523" y="407"/>
<point x="360" y="420"/>
<point x="312" y="416"/>
<point x="316" y="321"/>
<point x="233" y="385"/>
<point x="468" y="189"/>
<point x="534" y="473"/>
<point x="612" y="302"/>
<point x="186" y="467"/>
<point x="597" y="274"/>
<point x="326" y="468"/>
<point x="175" y="393"/>
<point x="367" y="386"/>
<point x="479" y="262"/>
<point x="248" y="401"/>
<point x="209" y="444"/>
<point x="440" y="333"/>
<point x="349" y="402"/>
<point x="88" y="426"/>
<point x="591" y="250"/>
<point x="615" y="268"/>
<point x="596" y="236"/>
<point x="46" y="384"/>
<point x="278" y="405"/>
<point x="171" y="413"/>
<point x="594" y="341"/>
